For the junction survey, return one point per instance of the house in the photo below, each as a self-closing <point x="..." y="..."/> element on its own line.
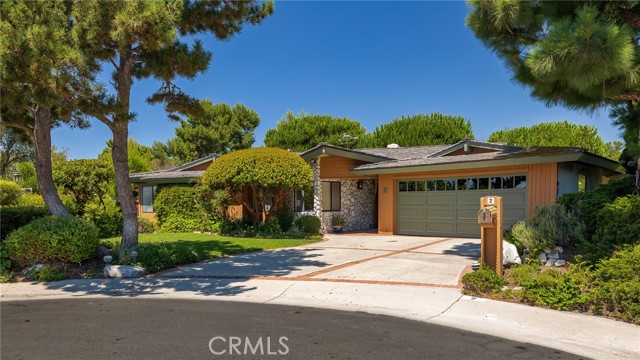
<point x="427" y="190"/>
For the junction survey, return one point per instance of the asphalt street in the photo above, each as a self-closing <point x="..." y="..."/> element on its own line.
<point x="122" y="328"/>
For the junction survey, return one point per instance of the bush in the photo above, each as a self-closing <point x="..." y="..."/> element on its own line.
<point x="183" y="201"/>
<point x="146" y="226"/>
<point x="53" y="239"/>
<point x="553" y="289"/>
<point x="615" y="287"/>
<point x="270" y="228"/>
<point x="181" y="223"/>
<point x="30" y="199"/>
<point x="557" y="225"/>
<point x="530" y="239"/>
<point x="482" y="281"/>
<point x="156" y="257"/>
<point x="285" y="219"/>
<point x="10" y="192"/>
<point x="106" y="216"/>
<point x="618" y="224"/>
<point x="48" y="273"/>
<point x="14" y="217"/>
<point x="308" y="224"/>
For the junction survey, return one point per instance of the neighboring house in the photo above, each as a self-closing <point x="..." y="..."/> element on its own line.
<point x="432" y="190"/>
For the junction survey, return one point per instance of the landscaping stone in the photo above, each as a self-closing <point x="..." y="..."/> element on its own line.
<point x="542" y="257"/>
<point x="123" y="271"/>
<point x="560" y="263"/>
<point x="554" y="255"/>
<point x="510" y="254"/>
<point x="558" y="249"/>
<point x="550" y="262"/>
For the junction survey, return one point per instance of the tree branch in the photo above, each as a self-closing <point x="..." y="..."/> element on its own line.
<point x="633" y="96"/>
<point x="24" y="127"/>
<point x="113" y="63"/>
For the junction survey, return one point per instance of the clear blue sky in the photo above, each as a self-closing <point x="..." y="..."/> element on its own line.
<point x="368" y="61"/>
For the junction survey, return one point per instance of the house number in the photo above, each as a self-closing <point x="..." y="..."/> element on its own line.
<point x="491" y="200"/>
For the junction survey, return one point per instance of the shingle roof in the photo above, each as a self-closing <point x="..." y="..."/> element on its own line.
<point x="166" y="174"/>
<point x="404" y="153"/>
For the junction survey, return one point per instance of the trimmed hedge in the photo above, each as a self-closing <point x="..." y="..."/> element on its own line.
<point x="53" y="239"/>
<point x="10" y="192"/>
<point x="14" y="217"/>
<point x="178" y="201"/>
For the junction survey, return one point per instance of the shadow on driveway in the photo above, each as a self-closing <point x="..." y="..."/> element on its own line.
<point x="469" y="250"/>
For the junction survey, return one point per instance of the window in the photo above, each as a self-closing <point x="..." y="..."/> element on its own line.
<point x="148" y="193"/>
<point x="403" y="186"/>
<point x="303" y="200"/>
<point x="331" y="196"/>
<point x="521" y="182"/>
<point x="483" y="183"/>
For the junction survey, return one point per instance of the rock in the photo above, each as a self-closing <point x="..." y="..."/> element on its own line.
<point x="560" y="263"/>
<point x="550" y="262"/>
<point x="553" y="255"/>
<point x="123" y="271"/>
<point x="510" y="254"/>
<point x="103" y="251"/>
<point x="108" y="259"/>
<point x="558" y="249"/>
<point x="542" y="257"/>
<point x="548" y="250"/>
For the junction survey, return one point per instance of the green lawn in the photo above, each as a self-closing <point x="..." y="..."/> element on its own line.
<point x="211" y="246"/>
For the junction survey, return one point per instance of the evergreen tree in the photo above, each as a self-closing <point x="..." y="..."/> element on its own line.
<point x="141" y="39"/>
<point x="303" y="131"/>
<point x="418" y="130"/>
<point x="219" y="129"/>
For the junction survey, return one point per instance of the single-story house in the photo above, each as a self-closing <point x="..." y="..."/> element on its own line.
<point x="423" y="190"/>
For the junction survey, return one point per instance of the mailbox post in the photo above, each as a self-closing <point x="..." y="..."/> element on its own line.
<point x="490" y="220"/>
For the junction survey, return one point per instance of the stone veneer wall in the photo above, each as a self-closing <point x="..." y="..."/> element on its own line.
<point x="356" y="204"/>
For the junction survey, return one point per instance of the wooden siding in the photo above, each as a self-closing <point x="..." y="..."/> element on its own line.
<point x="203" y="166"/>
<point x="542" y="187"/>
<point x="336" y="167"/>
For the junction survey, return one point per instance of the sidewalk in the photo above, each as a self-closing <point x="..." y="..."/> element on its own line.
<point x="589" y="336"/>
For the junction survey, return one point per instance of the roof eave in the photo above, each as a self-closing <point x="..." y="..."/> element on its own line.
<point x="326" y="149"/>
<point x="580" y="157"/>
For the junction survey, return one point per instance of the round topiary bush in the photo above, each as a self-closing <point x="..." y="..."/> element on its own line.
<point x="53" y="239"/>
<point x="308" y="224"/>
<point x="10" y="192"/>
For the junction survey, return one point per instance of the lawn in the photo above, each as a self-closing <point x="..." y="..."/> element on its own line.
<point x="211" y="246"/>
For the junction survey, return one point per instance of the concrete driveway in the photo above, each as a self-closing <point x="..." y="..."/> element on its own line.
<point x="352" y="258"/>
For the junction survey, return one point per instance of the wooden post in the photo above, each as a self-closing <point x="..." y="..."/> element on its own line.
<point x="490" y="220"/>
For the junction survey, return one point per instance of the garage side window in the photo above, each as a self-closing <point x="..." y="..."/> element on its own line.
<point x="148" y="193"/>
<point x="331" y="197"/>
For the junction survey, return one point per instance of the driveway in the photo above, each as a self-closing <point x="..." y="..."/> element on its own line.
<point x="352" y="258"/>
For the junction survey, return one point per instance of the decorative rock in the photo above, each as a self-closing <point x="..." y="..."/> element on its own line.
<point x="510" y="254"/>
<point x="554" y="255"/>
<point x="103" y="251"/>
<point x="558" y="249"/>
<point x="560" y="263"/>
<point x="542" y="257"/>
<point x="548" y="250"/>
<point x="550" y="262"/>
<point x="108" y="259"/>
<point x="123" y="271"/>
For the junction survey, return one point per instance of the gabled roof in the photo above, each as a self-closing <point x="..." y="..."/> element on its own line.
<point x="195" y="162"/>
<point x="476" y="144"/>
<point x="324" y="149"/>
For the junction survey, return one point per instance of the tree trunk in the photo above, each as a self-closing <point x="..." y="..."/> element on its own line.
<point x="123" y="186"/>
<point x="42" y="139"/>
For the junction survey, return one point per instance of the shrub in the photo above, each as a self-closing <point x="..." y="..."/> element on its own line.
<point x="285" y="219"/>
<point x="156" y="257"/>
<point x="615" y="286"/>
<point x="30" y="199"/>
<point x="146" y="226"/>
<point x="180" y="201"/>
<point x="483" y="281"/>
<point x="49" y="273"/>
<point x="308" y="224"/>
<point x="14" y="217"/>
<point x="618" y="224"/>
<point x="10" y="192"/>
<point x="181" y="223"/>
<point x="53" y="239"/>
<point x="553" y="289"/>
<point x="529" y="237"/>
<point x="270" y="228"/>
<point x="557" y="225"/>
<point x="106" y="216"/>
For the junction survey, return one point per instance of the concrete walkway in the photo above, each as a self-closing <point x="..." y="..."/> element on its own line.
<point x="335" y="274"/>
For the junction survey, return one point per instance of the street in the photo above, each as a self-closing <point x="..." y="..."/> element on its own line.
<point x="122" y="328"/>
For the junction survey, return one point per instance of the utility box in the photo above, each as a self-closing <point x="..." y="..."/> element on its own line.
<point x="490" y="221"/>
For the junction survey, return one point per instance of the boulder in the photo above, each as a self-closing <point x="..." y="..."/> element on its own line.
<point x="558" y="249"/>
<point x="553" y="255"/>
<point x="542" y="257"/>
<point x="550" y="262"/>
<point x="103" y="251"/>
<point x="123" y="271"/>
<point x="560" y="263"/>
<point x="510" y="254"/>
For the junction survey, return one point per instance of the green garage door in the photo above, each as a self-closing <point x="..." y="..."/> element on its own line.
<point x="449" y="207"/>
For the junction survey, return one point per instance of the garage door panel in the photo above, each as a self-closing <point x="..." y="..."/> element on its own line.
<point x="441" y="198"/>
<point x="412" y="199"/>
<point x="468" y="228"/>
<point x="412" y="227"/>
<point x="467" y="213"/>
<point x="513" y="196"/>
<point x="441" y="213"/>
<point x="470" y="197"/>
<point x="412" y="212"/>
<point x="448" y="227"/>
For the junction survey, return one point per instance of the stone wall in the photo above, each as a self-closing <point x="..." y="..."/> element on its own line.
<point x="356" y="205"/>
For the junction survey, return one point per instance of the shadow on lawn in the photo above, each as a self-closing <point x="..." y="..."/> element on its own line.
<point x="469" y="250"/>
<point x="222" y="276"/>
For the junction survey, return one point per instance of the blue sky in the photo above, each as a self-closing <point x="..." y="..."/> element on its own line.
<point x="368" y="61"/>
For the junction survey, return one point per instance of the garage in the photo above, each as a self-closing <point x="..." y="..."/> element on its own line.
<point x="449" y="206"/>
